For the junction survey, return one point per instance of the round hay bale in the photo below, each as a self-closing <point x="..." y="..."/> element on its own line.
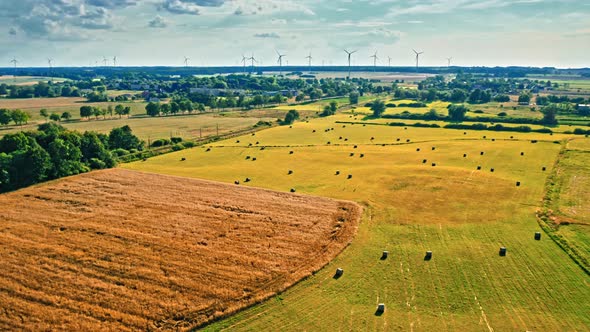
<point x="502" y="251"/>
<point x="208" y="149"/>
<point x="257" y="142"/>
<point x="538" y="236"/>
<point x="247" y="157"/>
<point x="355" y="147"/>
<point x="253" y="134"/>
<point x="262" y="148"/>
<point x="290" y="152"/>
<point x="424" y="161"/>
<point x="465" y="155"/>
<point x="428" y="256"/>
<point x="481" y="153"/>
<point x="485" y="137"/>
<point x="522" y="153"/>
<point x="418" y="150"/>
<point x="433" y="164"/>
<point x="544" y="168"/>
<point x="518" y="183"/>
<point x="182" y="159"/>
<point x="238" y="141"/>
<point x="351" y="154"/>
<point x="349" y="176"/>
<point x="346" y="139"/>
<point x="384" y="255"/>
<point x="362" y="155"/>
<point x="408" y="140"/>
<point x="492" y="170"/>
<point x="433" y="148"/>
<point x="254" y="159"/>
<point x="247" y="180"/>
<point x="236" y="182"/>
<point x="290" y="172"/>
<point x="337" y="172"/>
<point x="313" y="131"/>
<point x="479" y="168"/>
<point x="292" y="190"/>
<point x="329" y="143"/>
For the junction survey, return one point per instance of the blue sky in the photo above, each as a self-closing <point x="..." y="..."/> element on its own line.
<point x="218" y="32"/>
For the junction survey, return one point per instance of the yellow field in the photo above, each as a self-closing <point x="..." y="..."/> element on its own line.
<point x="463" y="215"/>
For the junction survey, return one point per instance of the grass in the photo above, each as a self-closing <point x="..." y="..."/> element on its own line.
<point x="28" y="80"/>
<point x="124" y="251"/>
<point x="461" y="214"/>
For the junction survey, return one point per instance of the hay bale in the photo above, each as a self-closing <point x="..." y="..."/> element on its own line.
<point x="433" y="148"/>
<point x="238" y="141"/>
<point x="380" y="309"/>
<point x="262" y="148"/>
<point x="364" y="125"/>
<point x="383" y="145"/>
<point x="538" y="236"/>
<point x="351" y="154"/>
<point x="428" y="256"/>
<point x="408" y="140"/>
<point x="465" y="155"/>
<point x="418" y="150"/>
<point x="236" y="182"/>
<point x="290" y="172"/>
<point x="492" y="170"/>
<point x="257" y="142"/>
<point x="479" y="168"/>
<point x="344" y="126"/>
<point x="398" y="139"/>
<point x="290" y="152"/>
<point x="522" y="153"/>
<point x="313" y="131"/>
<point x="247" y="180"/>
<point x="346" y="139"/>
<point x="464" y="133"/>
<point x="534" y="141"/>
<point x="485" y="137"/>
<point x="253" y="134"/>
<point x="518" y="183"/>
<point x="349" y="176"/>
<point x="355" y="147"/>
<point x="511" y="137"/>
<point x="182" y="159"/>
<point x="254" y="159"/>
<point x="433" y="164"/>
<point x="405" y="128"/>
<point x="292" y="190"/>
<point x="502" y="251"/>
<point x="340" y="137"/>
<point x="337" y="172"/>
<point x="544" y="168"/>
<point x="493" y="139"/>
<point x="247" y="157"/>
<point x="481" y="153"/>
<point x="424" y="161"/>
<point x="339" y="273"/>
<point x="329" y="143"/>
<point x="249" y="144"/>
<point x="208" y="149"/>
<point x="384" y="255"/>
<point x="372" y="138"/>
<point x="362" y="155"/>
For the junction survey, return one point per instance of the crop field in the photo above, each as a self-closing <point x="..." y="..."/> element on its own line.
<point x="62" y="104"/>
<point x="419" y="195"/>
<point x="28" y="80"/>
<point x="123" y="250"/>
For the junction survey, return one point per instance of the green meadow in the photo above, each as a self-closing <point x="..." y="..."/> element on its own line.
<point x="422" y="190"/>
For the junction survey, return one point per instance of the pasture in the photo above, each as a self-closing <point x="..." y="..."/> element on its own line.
<point x="431" y="199"/>
<point x="28" y="80"/>
<point x="127" y="251"/>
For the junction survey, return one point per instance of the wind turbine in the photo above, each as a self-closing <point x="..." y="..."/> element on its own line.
<point x="449" y="61"/>
<point x="49" y="61"/>
<point x="417" y="57"/>
<point x="280" y="61"/>
<point x="389" y="58"/>
<point x="309" y="57"/>
<point x="14" y="61"/>
<point x="186" y="59"/>
<point x="115" y="61"/>
<point x="375" y="57"/>
<point x="253" y="60"/>
<point x="244" y="59"/>
<point x="349" y="56"/>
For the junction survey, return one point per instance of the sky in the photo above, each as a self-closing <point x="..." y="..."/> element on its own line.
<point x="220" y="32"/>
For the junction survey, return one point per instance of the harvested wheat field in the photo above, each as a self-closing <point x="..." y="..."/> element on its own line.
<point x="124" y="250"/>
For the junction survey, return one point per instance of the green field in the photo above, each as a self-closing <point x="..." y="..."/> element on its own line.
<point x="461" y="214"/>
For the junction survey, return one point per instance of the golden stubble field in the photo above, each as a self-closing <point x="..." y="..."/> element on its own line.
<point x="125" y="250"/>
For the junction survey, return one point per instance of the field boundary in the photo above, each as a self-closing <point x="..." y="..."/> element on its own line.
<point x="549" y="213"/>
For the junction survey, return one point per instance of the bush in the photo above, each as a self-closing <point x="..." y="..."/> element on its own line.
<point x="177" y="147"/>
<point x="414" y="105"/>
<point x="176" y="140"/>
<point x="120" y="152"/>
<point x="189" y="145"/>
<point x="263" y="124"/>
<point x="160" y="142"/>
<point x="96" y="163"/>
<point x="478" y="111"/>
<point x="502" y="114"/>
<point x="391" y="105"/>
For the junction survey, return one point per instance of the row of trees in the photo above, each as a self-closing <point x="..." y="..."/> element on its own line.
<point x="52" y="152"/>
<point x="88" y="111"/>
<point x="157" y="109"/>
<point x="17" y="116"/>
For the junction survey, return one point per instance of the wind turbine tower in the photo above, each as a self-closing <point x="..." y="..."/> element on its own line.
<point x="104" y="61"/>
<point x="253" y="60"/>
<point x="375" y="58"/>
<point x="349" y="57"/>
<point x="417" y="57"/>
<point x="449" y="61"/>
<point x="186" y="59"/>
<point x="244" y="59"/>
<point x="115" y="61"/>
<point x="309" y="57"/>
<point x="280" y="61"/>
<point x="14" y="61"/>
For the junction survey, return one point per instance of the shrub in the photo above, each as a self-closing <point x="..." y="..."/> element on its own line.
<point x="160" y="142"/>
<point x="120" y="152"/>
<point x="478" y="111"/>
<point x="502" y="114"/>
<point x="175" y="140"/>
<point x="189" y="145"/>
<point x="177" y="147"/>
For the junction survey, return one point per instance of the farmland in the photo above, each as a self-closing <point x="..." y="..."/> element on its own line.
<point x="444" y="204"/>
<point x="123" y="250"/>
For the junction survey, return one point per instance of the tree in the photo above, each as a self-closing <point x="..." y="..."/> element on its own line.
<point x="110" y="110"/>
<point x="174" y="107"/>
<point x="43" y="112"/>
<point x="54" y="117"/>
<point x="353" y="98"/>
<point x="86" y="112"/>
<point x="65" y="158"/>
<point x="119" y="110"/>
<point x="378" y="108"/>
<point x="290" y="117"/>
<point x="127" y="111"/>
<point x="153" y="109"/>
<point x="19" y="117"/>
<point x="200" y="107"/>
<point x="97" y="111"/>
<point x="94" y="153"/>
<point x="549" y="114"/>
<point x="66" y="116"/>
<point x="165" y="108"/>
<point x="457" y="112"/>
<point x="333" y="107"/>
<point x="524" y="97"/>
<point x="5" y="116"/>
<point x="123" y="138"/>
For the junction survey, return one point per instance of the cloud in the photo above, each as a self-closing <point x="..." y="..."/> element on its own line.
<point x="267" y="35"/>
<point x="111" y="4"/>
<point x="158" y="22"/>
<point x="189" y="7"/>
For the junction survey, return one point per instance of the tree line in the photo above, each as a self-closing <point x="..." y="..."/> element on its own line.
<point x="53" y="152"/>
